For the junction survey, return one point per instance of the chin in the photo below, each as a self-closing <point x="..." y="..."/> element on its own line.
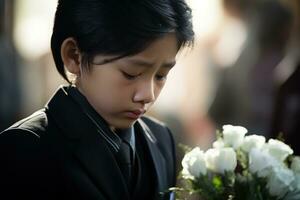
<point x="124" y="124"/>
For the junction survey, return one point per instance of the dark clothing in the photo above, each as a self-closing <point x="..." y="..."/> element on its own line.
<point x="144" y="182"/>
<point x="120" y="142"/>
<point x="112" y="139"/>
<point x="58" y="153"/>
<point x="286" y="116"/>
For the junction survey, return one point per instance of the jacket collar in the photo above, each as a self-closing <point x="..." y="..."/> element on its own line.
<point x="93" y="152"/>
<point x="156" y="155"/>
<point x="90" y="148"/>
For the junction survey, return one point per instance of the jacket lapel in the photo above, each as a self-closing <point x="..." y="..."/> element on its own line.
<point x="156" y="156"/>
<point x="102" y="167"/>
<point x="90" y="149"/>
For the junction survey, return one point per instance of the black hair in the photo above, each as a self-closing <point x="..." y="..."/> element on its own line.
<point x="118" y="27"/>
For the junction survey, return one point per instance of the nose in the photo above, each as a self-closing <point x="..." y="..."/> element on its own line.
<point x="145" y="92"/>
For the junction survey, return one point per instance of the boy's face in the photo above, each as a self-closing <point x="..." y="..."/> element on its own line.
<point x="122" y="90"/>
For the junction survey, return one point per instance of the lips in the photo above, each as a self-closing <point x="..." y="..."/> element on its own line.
<point x="139" y="112"/>
<point x="135" y="114"/>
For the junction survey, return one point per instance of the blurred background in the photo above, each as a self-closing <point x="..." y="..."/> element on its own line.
<point x="243" y="69"/>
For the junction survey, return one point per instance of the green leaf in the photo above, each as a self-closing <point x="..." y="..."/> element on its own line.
<point x="219" y="134"/>
<point x="185" y="148"/>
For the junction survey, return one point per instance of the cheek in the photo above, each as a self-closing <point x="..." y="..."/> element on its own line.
<point x="158" y="89"/>
<point x="97" y="90"/>
<point x="107" y="101"/>
<point x="112" y="93"/>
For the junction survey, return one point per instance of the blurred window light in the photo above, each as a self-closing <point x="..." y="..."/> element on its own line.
<point x="33" y="27"/>
<point x="207" y="15"/>
<point x="185" y="90"/>
<point x="231" y="42"/>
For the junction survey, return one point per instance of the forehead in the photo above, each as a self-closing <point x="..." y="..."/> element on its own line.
<point x="163" y="49"/>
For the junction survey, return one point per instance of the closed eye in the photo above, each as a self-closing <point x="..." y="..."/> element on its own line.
<point x="129" y="76"/>
<point x="161" y="77"/>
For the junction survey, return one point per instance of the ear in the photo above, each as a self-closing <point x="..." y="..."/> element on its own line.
<point x="71" y="56"/>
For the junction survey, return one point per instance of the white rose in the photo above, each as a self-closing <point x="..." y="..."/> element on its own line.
<point x="221" y="160"/>
<point x="296" y="183"/>
<point x="279" y="181"/>
<point x="260" y="162"/>
<point x="193" y="164"/>
<point x="279" y="149"/>
<point x="295" y="166"/>
<point x="233" y="135"/>
<point x="253" y="141"/>
<point x="294" y="193"/>
<point x="218" y="144"/>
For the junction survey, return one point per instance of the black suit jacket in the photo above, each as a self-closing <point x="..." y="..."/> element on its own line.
<point x="56" y="153"/>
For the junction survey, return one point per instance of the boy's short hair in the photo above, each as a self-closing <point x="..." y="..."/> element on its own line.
<point x="117" y="27"/>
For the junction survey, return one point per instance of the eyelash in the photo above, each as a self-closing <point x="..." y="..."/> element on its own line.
<point x="161" y="78"/>
<point x="132" y="77"/>
<point x="129" y="76"/>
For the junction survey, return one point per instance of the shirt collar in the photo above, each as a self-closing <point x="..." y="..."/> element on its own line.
<point x="128" y="135"/>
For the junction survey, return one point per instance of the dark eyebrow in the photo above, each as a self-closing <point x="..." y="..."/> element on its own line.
<point x="150" y="64"/>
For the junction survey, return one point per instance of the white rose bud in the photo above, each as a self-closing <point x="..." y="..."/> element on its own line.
<point x="295" y="166"/>
<point x="221" y="159"/>
<point x="279" y="181"/>
<point x="260" y="162"/>
<point x="278" y="149"/>
<point x="193" y="164"/>
<point x="233" y="135"/>
<point x="253" y="141"/>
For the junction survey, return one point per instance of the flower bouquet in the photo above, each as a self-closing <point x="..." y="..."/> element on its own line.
<point x="240" y="167"/>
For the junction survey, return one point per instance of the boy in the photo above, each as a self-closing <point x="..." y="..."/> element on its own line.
<point x="91" y="140"/>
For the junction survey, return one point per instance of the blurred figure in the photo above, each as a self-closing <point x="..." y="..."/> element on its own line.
<point x="287" y="111"/>
<point x="245" y="93"/>
<point x="286" y="114"/>
<point x="9" y="73"/>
